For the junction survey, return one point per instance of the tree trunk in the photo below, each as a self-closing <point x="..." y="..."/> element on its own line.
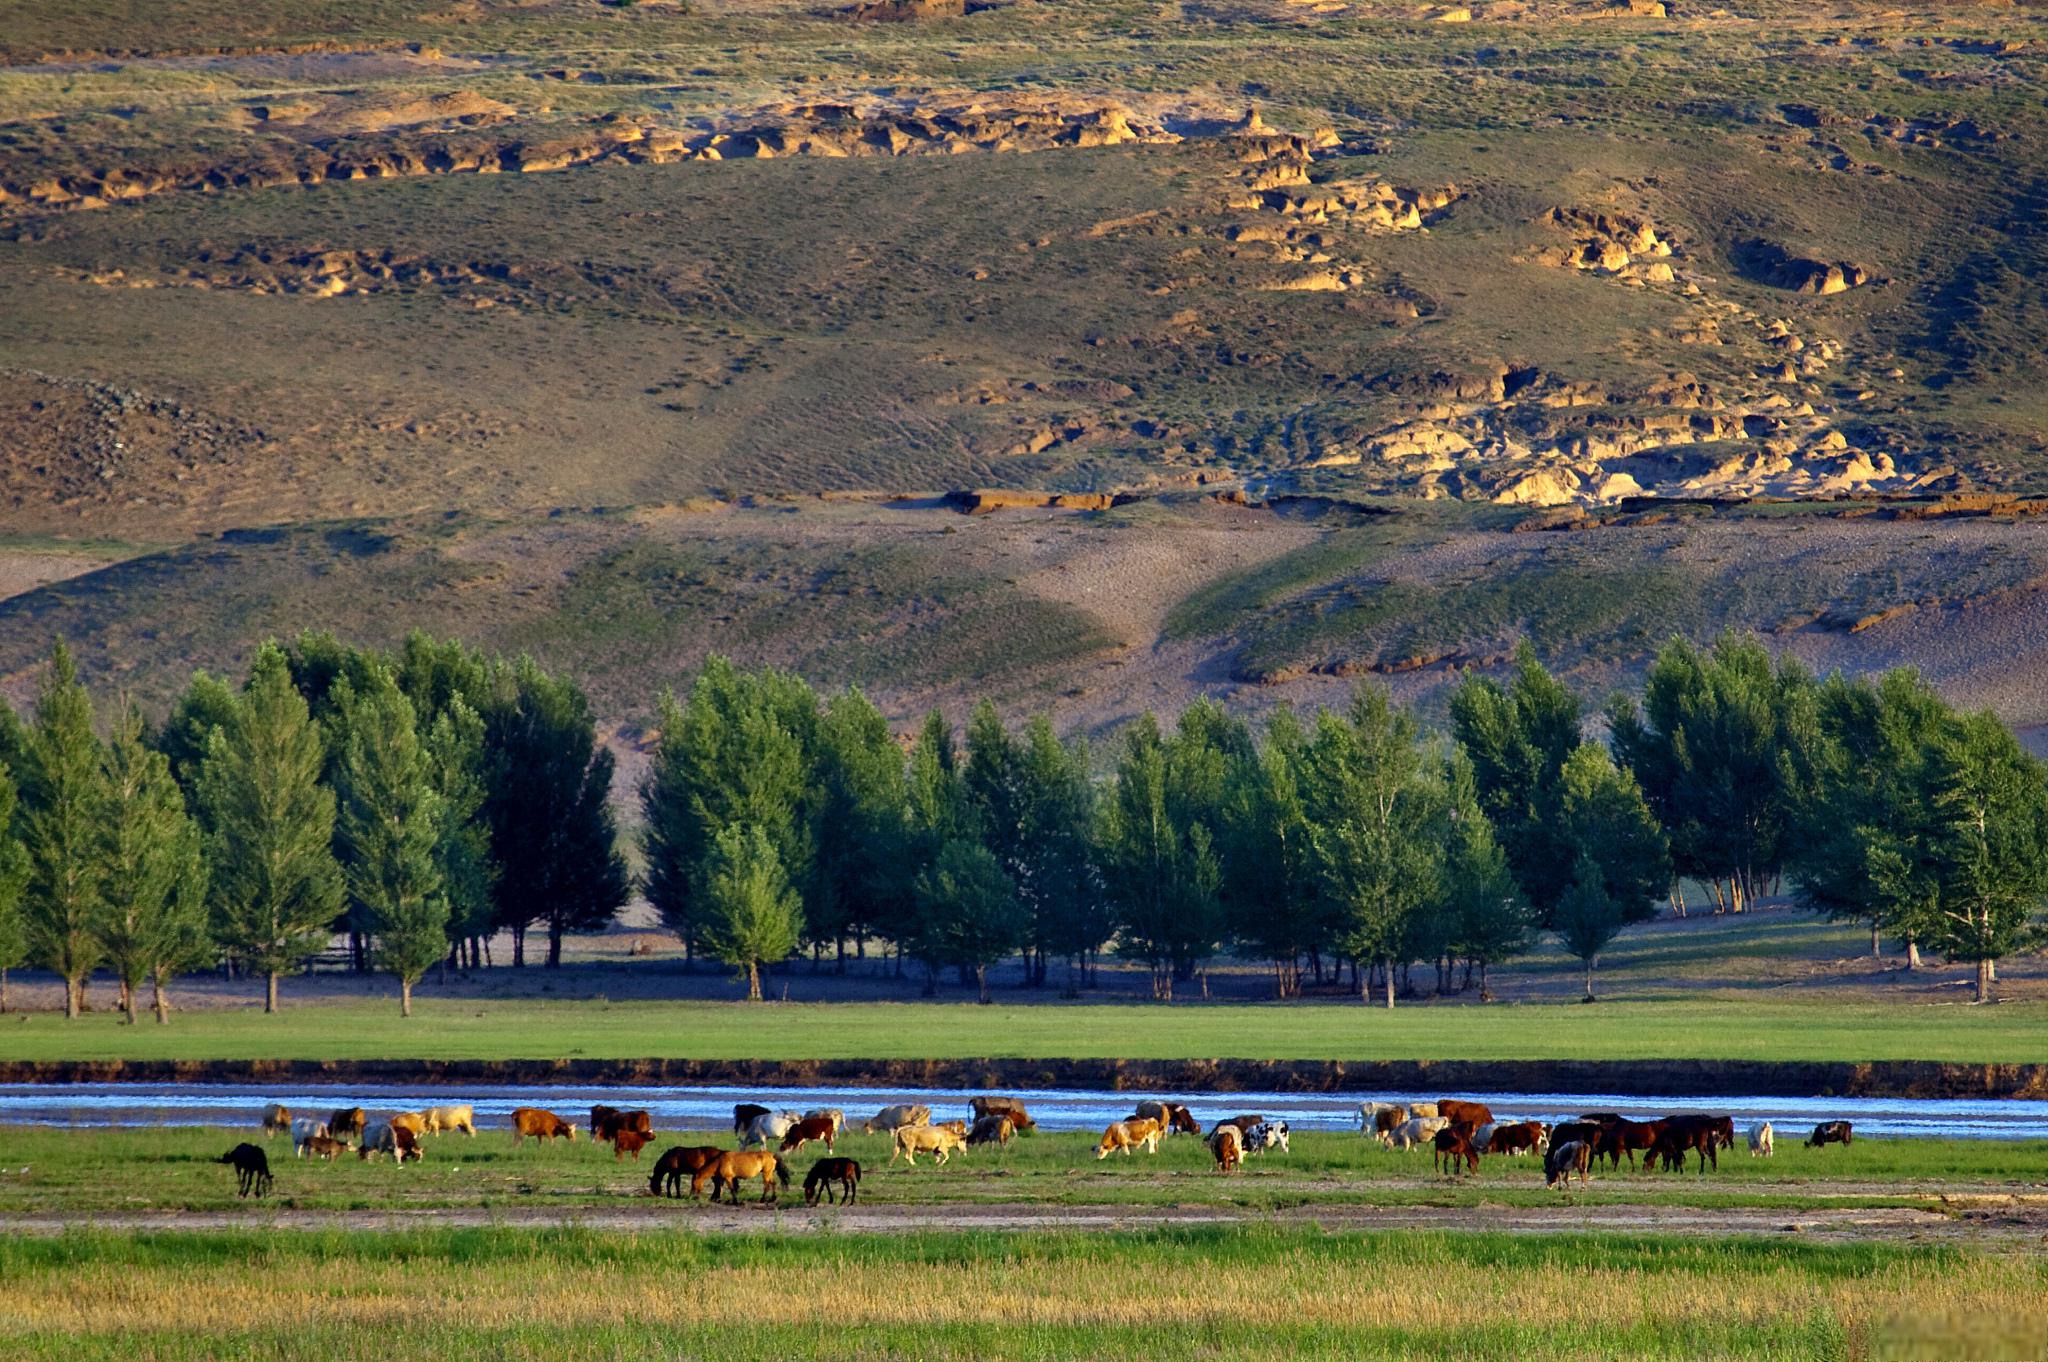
<point x="270" y="994"/>
<point x="555" y="943"/>
<point x="1983" y="981"/>
<point x="981" y="978"/>
<point x="127" y="1003"/>
<point x="1912" y="953"/>
<point x="1876" y="946"/>
<point x="405" y="997"/>
<point x="3" y="990"/>
<point x="1485" y="989"/>
<point x="519" y="948"/>
<point x="160" y="998"/>
<point x="753" y="981"/>
<point x="1387" y="969"/>
<point x="74" y="998"/>
<point x="1991" y="968"/>
<point x="1589" y="978"/>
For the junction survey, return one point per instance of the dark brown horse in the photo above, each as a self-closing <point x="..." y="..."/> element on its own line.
<point x="1453" y="1143"/>
<point x="1831" y="1132"/>
<point x="825" y="1174"/>
<point x="675" y="1161"/>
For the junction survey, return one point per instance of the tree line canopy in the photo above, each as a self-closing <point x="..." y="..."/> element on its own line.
<point x="423" y="801"/>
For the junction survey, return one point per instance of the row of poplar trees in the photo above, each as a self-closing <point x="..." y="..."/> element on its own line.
<point x="419" y="802"/>
<point x="1347" y="839"/>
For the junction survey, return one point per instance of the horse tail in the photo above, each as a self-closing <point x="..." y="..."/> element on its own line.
<point x="782" y="1170"/>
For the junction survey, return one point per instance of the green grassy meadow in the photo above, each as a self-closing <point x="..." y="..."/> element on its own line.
<point x="1289" y="1291"/>
<point x="1762" y="1029"/>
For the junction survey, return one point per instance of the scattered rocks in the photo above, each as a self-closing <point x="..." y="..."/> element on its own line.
<point x="1772" y="264"/>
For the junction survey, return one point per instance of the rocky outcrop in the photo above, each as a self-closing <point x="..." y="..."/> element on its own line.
<point x="985" y="501"/>
<point x="1769" y="263"/>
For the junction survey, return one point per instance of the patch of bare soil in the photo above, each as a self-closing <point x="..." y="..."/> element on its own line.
<point x="20" y="572"/>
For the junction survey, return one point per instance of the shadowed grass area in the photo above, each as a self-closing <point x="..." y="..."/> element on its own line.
<point x="519" y="1294"/>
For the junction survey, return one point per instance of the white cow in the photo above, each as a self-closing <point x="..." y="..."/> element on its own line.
<point x="304" y="1128"/>
<point x="1369" y="1113"/>
<point x="1426" y="1110"/>
<point x="1760" y="1140"/>
<point x="1416" y="1130"/>
<point x="772" y="1127"/>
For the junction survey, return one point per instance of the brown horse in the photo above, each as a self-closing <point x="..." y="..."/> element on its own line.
<point x="826" y="1173"/>
<point x="1453" y="1143"/>
<point x="1621" y="1136"/>
<point x="732" y="1167"/>
<point x="667" y="1177"/>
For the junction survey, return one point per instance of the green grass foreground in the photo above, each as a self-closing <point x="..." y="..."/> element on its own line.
<point x="47" y="1171"/>
<point x="1260" y="1291"/>
<point x="1719" y="1028"/>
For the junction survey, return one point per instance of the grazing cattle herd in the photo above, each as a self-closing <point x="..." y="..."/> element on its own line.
<point x="1458" y="1133"/>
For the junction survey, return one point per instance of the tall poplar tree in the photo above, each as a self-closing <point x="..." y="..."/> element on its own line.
<point x="64" y="795"/>
<point x="390" y="822"/>
<point x="750" y="914"/>
<point x="270" y="827"/>
<point x="154" y="923"/>
<point x="13" y="875"/>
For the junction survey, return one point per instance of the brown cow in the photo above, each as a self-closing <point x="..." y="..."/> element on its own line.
<point x="626" y="1142"/>
<point x="1004" y="1106"/>
<point x="1458" y="1113"/>
<point x="1519" y="1137"/>
<point x="808" y="1129"/>
<point x="1243" y="1123"/>
<point x="614" y="1121"/>
<point x="1226" y="1145"/>
<point x="1177" y="1119"/>
<point x="532" y="1122"/>
<point x="1453" y="1143"/>
<point x="675" y="1161"/>
<point x="326" y="1147"/>
<point x="1123" y="1136"/>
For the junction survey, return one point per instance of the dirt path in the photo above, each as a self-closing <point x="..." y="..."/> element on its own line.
<point x="2008" y="1226"/>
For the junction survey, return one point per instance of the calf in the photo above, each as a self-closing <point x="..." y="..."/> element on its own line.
<point x="252" y="1169"/>
<point x="832" y="1114"/>
<point x="325" y="1148"/>
<point x="410" y="1120"/>
<point x="626" y="1142"/>
<point x="1452" y="1143"/>
<point x="1831" y="1132"/>
<point x="1226" y="1145"/>
<point x="1563" y="1160"/>
<point x="806" y="1130"/>
<point x="828" y="1173"/>
<point x="675" y="1163"/>
<point x="1377" y="1118"/>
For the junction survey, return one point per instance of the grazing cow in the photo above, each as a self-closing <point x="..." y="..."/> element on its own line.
<point x="410" y="1120"/>
<point x="277" y="1119"/>
<point x="448" y="1120"/>
<point x="771" y="1127"/>
<point x="1004" y="1106"/>
<point x="1413" y="1131"/>
<point x="1449" y="1145"/>
<point x="1831" y="1132"/>
<point x="1460" y="1113"/>
<point x="1516" y="1137"/>
<point x="303" y="1129"/>
<point x="1761" y="1140"/>
<point x="346" y="1122"/>
<point x="599" y="1114"/>
<point x="732" y="1167"/>
<point x="1264" y="1136"/>
<point x="614" y="1121"/>
<point x="395" y="1140"/>
<point x="626" y="1142"/>
<point x="325" y="1148"/>
<point x="532" y="1122"/>
<point x="1621" y="1137"/>
<point x="1226" y="1145"/>
<point x="842" y="1173"/>
<point x="832" y="1114"/>
<point x="1174" y="1117"/>
<point x="1423" y="1110"/>
<point x="995" y="1129"/>
<point x="806" y="1130"/>
<point x="1122" y="1136"/>
<point x="1483" y="1136"/>
<point x="1563" y="1160"/>
<point x="252" y="1169"/>
<point x="1376" y="1118"/>
<point x="889" y="1120"/>
<point x="938" y="1141"/>
<point x="667" y="1177"/>
<point x="743" y="1114"/>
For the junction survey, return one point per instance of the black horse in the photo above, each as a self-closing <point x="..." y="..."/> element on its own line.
<point x="827" y="1172"/>
<point x="252" y="1169"/>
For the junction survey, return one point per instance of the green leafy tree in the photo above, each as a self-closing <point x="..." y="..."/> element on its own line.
<point x="389" y="822"/>
<point x="968" y="911"/>
<point x="454" y="747"/>
<point x="206" y="704"/>
<point x="1620" y="858"/>
<point x="1273" y="887"/>
<point x="154" y="922"/>
<point x="270" y="827"/>
<point x="1158" y="864"/>
<point x="13" y="876"/>
<point x="549" y="810"/>
<point x="751" y="914"/>
<point x="1518" y="737"/>
<point x="1490" y="921"/>
<point x="1708" y="746"/>
<point x="1988" y="801"/>
<point x="1379" y="825"/>
<point x="64" y="803"/>
<point x="861" y="830"/>
<point x="1055" y="872"/>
